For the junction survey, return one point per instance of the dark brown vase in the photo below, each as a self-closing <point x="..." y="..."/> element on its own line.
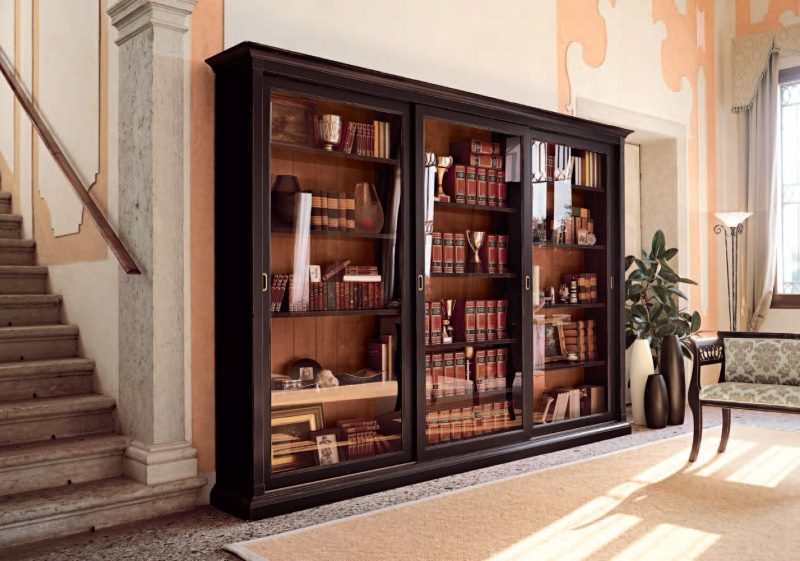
<point x="655" y="401"/>
<point x="670" y="365"/>
<point x="284" y="192"/>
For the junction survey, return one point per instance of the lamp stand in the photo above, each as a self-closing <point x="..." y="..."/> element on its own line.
<point x="731" y="238"/>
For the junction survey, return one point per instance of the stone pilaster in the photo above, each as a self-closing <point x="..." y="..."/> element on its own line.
<point x="153" y="74"/>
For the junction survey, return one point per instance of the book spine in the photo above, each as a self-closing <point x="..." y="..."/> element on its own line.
<point x="461" y="372"/>
<point x="449" y="253"/>
<point x="316" y="210"/>
<point x="467" y="422"/>
<point x="436" y="253"/>
<point x="480" y="320"/>
<point x="428" y="377"/>
<point x="502" y="363"/>
<point x="480" y="370"/>
<point x="502" y="198"/>
<point x="493" y="382"/>
<point x="472" y="185"/>
<point x="444" y="426"/>
<point x="502" y="305"/>
<point x="502" y="253"/>
<point x="471" y="322"/>
<point x="488" y="254"/>
<point x="437" y="371"/>
<point x="432" y="427"/>
<point x="483" y="187"/>
<point x="342" y="204"/>
<point x="492" y="191"/>
<point x="455" y="424"/>
<point x="455" y="183"/>
<point x="460" y="253"/>
<point x="491" y="320"/>
<point x="485" y="161"/>
<point x="427" y="323"/>
<point x="436" y="323"/>
<point x="449" y="360"/>
<point x="333" y="211"/>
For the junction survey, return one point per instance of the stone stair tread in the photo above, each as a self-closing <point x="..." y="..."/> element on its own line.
<point x="29" y="299"/>
<point x="7" y="243"/>
<point x="27" y="331"/>
<point x="44" y="367"/>
<point x="53" y="406"/>
<point x="71" y="499"/>
<point x="15" y="455"/>
<point x="11" y="218"/>
<point x="22" y="269"/>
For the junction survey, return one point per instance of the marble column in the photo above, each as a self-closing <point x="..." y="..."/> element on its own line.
<point x="153" y="138"/>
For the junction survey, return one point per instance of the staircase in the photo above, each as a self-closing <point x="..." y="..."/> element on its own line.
<point x="60" y="460"/>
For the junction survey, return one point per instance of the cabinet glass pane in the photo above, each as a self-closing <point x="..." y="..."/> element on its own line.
<point x="570" y="378"/>
<point x="473" y="382"/>
<point x="334" y="286"/>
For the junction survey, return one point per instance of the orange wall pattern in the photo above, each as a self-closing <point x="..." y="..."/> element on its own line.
<point x="771" y="19"/>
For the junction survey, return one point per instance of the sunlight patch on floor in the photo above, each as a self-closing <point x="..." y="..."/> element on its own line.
<point x="667" y="542"/>
<point x="769" y="468"/>
<point x="712" y="462"/>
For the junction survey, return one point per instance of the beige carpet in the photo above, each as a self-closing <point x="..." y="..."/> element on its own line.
<point x="644" y="503"/>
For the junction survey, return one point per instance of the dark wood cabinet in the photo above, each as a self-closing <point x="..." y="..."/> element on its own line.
<point x="333" y="379"/>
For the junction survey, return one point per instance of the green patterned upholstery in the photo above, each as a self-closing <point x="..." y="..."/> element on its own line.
<point x="762" y="361"/>
<point x="767" y="395"/>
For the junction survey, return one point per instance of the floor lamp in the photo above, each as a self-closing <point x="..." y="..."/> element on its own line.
<point x="732" y="227"/>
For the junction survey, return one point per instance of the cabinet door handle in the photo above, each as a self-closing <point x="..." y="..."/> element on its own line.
<point x="527" y="282"/>
<point x="420" y="283"/>
<point x="265" y="282"/>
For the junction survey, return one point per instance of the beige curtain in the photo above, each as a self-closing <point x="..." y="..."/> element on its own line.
<point x="759" y="124"/>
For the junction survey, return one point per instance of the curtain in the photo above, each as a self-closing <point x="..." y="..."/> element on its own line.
<point x="758" y="144"/>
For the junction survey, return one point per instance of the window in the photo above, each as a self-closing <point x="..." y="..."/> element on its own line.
<point x="787" y="279"/>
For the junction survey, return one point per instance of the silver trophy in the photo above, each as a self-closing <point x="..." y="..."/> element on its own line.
<point x="330" y="130"/>
<point x="443" y="163"/>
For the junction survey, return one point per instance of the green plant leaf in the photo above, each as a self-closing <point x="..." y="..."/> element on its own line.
<point x="658" y="244"/>
<point x="668" y="275"/>
<point x="670" y="253"/>
<point x="629" y="261"/>
<point x="687" y="281"/>
<point x="677" y="292"/>
<point x="695" y="325"/>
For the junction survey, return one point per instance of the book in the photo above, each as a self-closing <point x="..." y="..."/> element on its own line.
<point x="333" y="211"/>
<point x="502" y="253"/>
<point x="502" y="198"/>
<point x="474" y="146"/>
<point x="427" y="323"/>
<point x="436" y="252"/>
<point x="480" y="320"/>
<point x="472" y="185"/>
<point x="436" y="322"/>
<point x="502" y="306"/>
<point x="449" y="253"/>
<point x="464" y="320"/>
<point x="561" y="404"/>
<point x="362" y="278"/>
<point x="461" y="372"/>
<point x="461" y="153"/>
<point x="455" y="183"/>
<point x="491" y="369"/>
<point x="483" y="187"/>
<point x="479" y="368"/>
<point x="488" y="253"/>
<point x="334" y="268"/>
<point x="437" y="371"/>
<point x="460" y="253"/>
<point x="492" y="187"/>
<point x="428" y="377"/>
<point x="592" y="399"/>
<point x="502" y="362"/>
<point x="449" y="371"/>
<point x="316" y="210"/>
<point x="491" y="320"/>
<point x="342" y="205"/>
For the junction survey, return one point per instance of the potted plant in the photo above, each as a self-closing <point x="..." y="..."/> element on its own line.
<point x="655" y="317"/>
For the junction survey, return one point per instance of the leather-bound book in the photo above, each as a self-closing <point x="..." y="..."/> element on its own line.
<point x="502" y="194"/>
<point x="480" y="320"/>
<point x="472" y="185"/>
<point x="502" y="253"/>
<point x="437" y="371"/>
<point x="474" y="146"/>
<point x="491" y="320"/>
<point x="483" y="187"/>
<point x="502" y="306"/>
<point x="427" y="323"/>
<point x="449" y="373"/>
<point x="464" y="320"/>
<point x="436" y="323"/>
<point x="436" y="253"/>
<point x="449" y="253"/>
<point x="492" y="190"/>
<point x="491" y="369"/>
<point x="455" y="183"/>
<point x="460" y="251"/>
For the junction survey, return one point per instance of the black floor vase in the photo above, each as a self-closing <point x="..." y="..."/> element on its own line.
<point x="655" y="402"/>
<point x="670" y="365"/>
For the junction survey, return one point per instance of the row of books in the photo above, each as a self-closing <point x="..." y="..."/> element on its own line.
<point x="580" y="338"/>
<point x="476" y="186"/>
<point x="333" y="211"/>
<point x="448" y="253"/>
<point x="468" y="422"/>
<point x="362" y="438"/>
<point x="477" y="153"/>
<point x="588" y="170"/>
<point x="586" y="286"/>
<point x="344" y="295"/>
<point x="366" y="139"/>
<point x="447" y="374"/>
<point x="380" y="357"/>
<point x="559" y="404"/>
<point x="556" y="162"/>
<point x="568" y="229"/>
<point x="472" y="320"/>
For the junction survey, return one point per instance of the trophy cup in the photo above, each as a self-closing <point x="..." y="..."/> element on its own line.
<point x="447" y="325"/>
<point x="469" y="352"/>
<point x="443" y="163"/>
<point x="475" y="240"/>
<point x="330" y="130"/>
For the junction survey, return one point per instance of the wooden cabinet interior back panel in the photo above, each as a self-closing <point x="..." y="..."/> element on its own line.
<point x="554" y="263"/>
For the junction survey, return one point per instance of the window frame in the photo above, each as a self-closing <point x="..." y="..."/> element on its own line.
<point x="780" y="300"/>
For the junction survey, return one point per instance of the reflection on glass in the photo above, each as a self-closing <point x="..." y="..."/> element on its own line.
<point x="334" y="299"/>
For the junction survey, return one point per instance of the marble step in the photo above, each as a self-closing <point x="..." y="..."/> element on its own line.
<point x="5" y="203"/>
<point x="17" y="252"/>
<point x="36" y="342"/>
<point x="30" y="379"/>
<point x="67" y="461"/>
<point x="70" y="509"/>
<point x="10" y="226"/>
<point x="21" y="279"/>
<point x="31" y="420"/>
<point x="30" y="309"/>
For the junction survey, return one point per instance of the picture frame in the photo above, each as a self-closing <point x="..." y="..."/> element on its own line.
<point x="291" y="120"/>
<point x="327" y="452"/>
<point x="555" y="349"/>
<point x="292" y="446"/>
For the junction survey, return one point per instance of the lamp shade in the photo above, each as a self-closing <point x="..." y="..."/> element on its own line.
<point x="733" y="218"/>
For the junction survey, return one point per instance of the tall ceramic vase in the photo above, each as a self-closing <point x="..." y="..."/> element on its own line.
<point x="641" y="368"/>
<point x="655" y="398"/>
<point x="670" y="365"/>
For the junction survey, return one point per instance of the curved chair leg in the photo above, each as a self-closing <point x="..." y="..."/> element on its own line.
<point x="697" y="415"/>
<point x="726" y="430"/>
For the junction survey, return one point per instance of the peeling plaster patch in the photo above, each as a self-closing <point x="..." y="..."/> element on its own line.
<point x="758" y="10"/>
<point x="788" y="18"/>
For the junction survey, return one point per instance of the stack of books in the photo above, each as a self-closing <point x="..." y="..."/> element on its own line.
<point x="579" y="338"/>
<point x="477" y="177"/>
<point x="449" y="256"/>
<point x="360" y="436"/>
<point x="559" y="404"/>
<point x="569" y="231"/>
<point x="332" y="211"/>
<point x="586" y="286"/>
<point x="366" y="139"/>
<point x="467" y="422"/>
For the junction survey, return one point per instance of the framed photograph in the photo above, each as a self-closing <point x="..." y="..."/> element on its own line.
<point x="292" y="120"/>
<point x="583" y="236"/>
<point x="327" y="452"/>
<point x="552" y="331"/>
<point x="314" y="273"/>
<point x="293" y="446"/>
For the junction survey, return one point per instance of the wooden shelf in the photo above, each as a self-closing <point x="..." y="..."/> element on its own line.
<point x="471" y="398"/>
<point x="551" y="245"/>
<point x="588" y="189"/>
<point x="457" y="345"/>
<point x="352" y="392"/>
<point x="563" y="365"/>
<point x="337" y="234"/>
<point x="372" y="312"/>
<point x="476" y="275"/>
<point x="331" y="153"/>
<point x="463" y="206"/>
<point x="588" y="305"/>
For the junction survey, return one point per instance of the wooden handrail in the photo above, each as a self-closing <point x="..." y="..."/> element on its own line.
<point x="110" y="237"/>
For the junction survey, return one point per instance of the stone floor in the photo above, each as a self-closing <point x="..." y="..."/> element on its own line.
<point x="200" y="534"/>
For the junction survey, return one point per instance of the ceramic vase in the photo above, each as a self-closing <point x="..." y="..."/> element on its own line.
<point x="670" y="365"/>
<point x="641" y="368"/>
<point x="368" y="212"/>
<point x="283" y="200"/>
<point x="655" y="401"/>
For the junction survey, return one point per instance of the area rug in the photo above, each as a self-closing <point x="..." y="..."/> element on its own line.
<point x="643" y="503"/>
